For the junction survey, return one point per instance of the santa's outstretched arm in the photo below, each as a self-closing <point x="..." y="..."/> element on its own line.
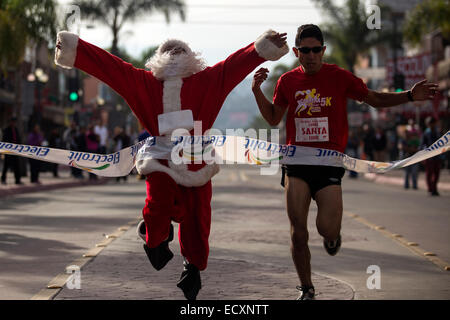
<point x="238" y="65"/>
<point x="71" y="51"/>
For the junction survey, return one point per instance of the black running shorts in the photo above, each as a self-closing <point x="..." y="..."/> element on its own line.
<point x="317" y="177"/>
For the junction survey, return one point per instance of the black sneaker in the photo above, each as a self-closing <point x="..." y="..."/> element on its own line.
<point x="190" y="281"/>
<point x="332" y="247"/>
<point x="160" y="255"/>
<point x="307" y="293"/>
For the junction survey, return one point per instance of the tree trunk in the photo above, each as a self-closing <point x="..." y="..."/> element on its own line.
<point x="115" y="30"/>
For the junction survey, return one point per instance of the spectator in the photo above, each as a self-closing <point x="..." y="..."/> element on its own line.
<point x="35" y="138"/>
<point x="379" y="145"/>
<point x="54" y="141"/>
<point x="432" y="165"/>
<point x="410" y="145"/>
<point x="92" y="145"/>
<point x="392" y="144"/>
<point x="353" y="150"/>
<point x="368" y="139"/>
<point x="11" y="134"/>
<point x="121" y="140"/>
<point x="71" y="142"/>
<point x="102" y="131"/>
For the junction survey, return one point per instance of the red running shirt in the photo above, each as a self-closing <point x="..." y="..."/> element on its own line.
<point x="317" y="114"/>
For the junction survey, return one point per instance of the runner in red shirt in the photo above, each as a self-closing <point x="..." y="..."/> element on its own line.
<point x="315" y="97"/>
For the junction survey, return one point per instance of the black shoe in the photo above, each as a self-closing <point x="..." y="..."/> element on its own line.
<point x="332" y="247"/>
<point x="160" y="255"/>
<point x="190" y="281"/>
<point x="307" y="293"/>
<point x="435" y="194"/>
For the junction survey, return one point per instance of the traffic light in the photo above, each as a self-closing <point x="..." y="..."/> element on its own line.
<point x="73" y="86"/>
<point x="73" y="96"/>
<point x="399" y="82"/>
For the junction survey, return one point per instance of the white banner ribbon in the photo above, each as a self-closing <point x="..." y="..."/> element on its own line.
<point x="215" y="148"/>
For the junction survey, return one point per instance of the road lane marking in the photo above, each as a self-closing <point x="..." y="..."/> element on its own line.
<point x="412" y="246"/>
<point x="57" y="283"/>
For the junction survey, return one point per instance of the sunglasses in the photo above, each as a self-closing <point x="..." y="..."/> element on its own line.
<point x="307" y="50"/>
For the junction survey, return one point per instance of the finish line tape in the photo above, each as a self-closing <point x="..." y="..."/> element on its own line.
<point x="220" y="149"/>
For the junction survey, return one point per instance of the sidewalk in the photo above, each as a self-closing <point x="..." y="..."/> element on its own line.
<point x="47" y="182"/>
<point x="397" y="178"/>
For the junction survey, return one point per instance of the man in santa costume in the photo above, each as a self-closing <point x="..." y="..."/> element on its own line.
<point x="178" y="90"/>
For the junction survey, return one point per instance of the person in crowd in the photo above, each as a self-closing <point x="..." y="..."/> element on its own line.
<point x="35" y="138"/>
<point x="352" y="150"/>
<point x="432" y="165"/>
<point x="368" y="137"/>
<point x="101" y="130"/>
<point x="92" y="145"/>
<point x="410" y="145"/>
<point x="71" y="142"/>
<point x="121" y="141"/>
<point x="54" y="141"/>
<point x="379" y="144"/>
<point x="11" y="134"/>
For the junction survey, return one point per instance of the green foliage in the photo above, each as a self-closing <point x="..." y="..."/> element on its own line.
<point x="427" y="16"/>
<point x="346" y="31"/>
<point x="22" y="21"/>
<point x="114" y="13"/>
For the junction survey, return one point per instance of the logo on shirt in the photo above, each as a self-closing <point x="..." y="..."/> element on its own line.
<point x="311" y="101"/>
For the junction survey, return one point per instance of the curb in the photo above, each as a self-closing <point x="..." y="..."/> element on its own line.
<point x="421" y="184"/>
<point x="52" y="186"/>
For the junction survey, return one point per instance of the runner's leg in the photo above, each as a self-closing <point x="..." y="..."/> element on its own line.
<point x="329" y="214"/>
<point x="298" y="199"/>
<point x="196" y="224"/>
<point x="160" y="207"/>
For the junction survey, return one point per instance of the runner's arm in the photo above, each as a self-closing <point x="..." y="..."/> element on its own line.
<point x="270" y="112"/>
<point x="71" y="51"/>
<point x="420" y="91"/>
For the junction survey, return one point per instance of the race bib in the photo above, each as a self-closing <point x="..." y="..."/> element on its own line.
<point x="311" y="129"/>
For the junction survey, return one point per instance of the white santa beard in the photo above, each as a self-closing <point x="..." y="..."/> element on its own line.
<point x="166" y="66"/>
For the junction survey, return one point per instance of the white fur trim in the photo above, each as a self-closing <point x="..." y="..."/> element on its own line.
<point x="171" y="95"/>
<point x="267" y="50"/>
<point x="168" y="122"/>
<point x="65" y="56"/>
<point x="179" y="173"/>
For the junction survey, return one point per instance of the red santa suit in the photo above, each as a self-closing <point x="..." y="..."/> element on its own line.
<point x="180" y="193"/>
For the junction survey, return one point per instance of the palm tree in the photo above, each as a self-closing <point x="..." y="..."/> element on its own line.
<point x="23" y="22"/>
<point x="426" y="17"/>
<point x="115" y="13"/>
<point x="347" y="32"/>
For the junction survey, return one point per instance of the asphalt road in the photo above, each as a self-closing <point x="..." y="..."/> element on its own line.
<point x="41" y="233"/>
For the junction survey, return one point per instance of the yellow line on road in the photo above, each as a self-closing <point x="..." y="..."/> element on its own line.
<point x="412" y="246"/>
<point x="58" y="282"/>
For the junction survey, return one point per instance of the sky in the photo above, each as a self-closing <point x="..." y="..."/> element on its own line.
<point x="215" y="28"/>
